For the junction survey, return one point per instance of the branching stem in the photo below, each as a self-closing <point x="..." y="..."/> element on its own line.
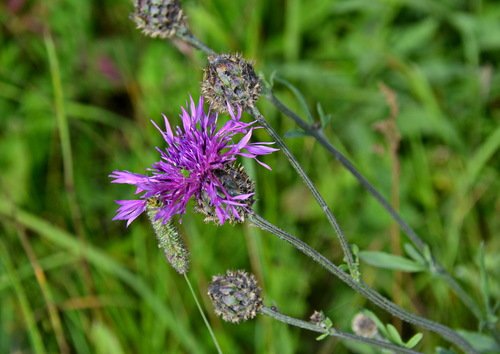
<point x="361" y="288"/>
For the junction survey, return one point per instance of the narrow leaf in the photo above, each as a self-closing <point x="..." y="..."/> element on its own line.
<point x="414" y="340"/>
<point x="389" y="261"/>
<point x="394" y="335"/>
<point x="298" y="95"/>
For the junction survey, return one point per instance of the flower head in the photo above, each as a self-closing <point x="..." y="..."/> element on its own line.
<point x="196" y="164"/>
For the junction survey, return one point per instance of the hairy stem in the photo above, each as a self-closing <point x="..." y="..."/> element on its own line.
<point x="322" y="203"/>
<point x="363" y="289"/>
<point x="436" y="267"/>
<point x="332" y="331"/>
<point x="186" y="36"/>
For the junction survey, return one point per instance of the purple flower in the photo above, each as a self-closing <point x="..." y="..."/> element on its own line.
<point x="192" y="165"/>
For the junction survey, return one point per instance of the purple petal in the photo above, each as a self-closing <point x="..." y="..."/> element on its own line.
<point x="129" y="210"/>
<point x="127" y="177"/>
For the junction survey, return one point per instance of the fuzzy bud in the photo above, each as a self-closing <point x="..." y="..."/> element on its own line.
<point x="230" y="80"/>
<point x="235" y="296"/>
<point x="159" y="18"/>
<point x="169" y="239"/>
<point x="234" y="181"/>
<point x="364" y="326"/>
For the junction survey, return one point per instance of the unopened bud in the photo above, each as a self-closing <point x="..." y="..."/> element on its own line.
<point x="159" y="18"/>
<point x="230" y="80"/>
<point x="235" y="296"/>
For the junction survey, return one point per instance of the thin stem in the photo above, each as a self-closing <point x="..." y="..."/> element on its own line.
<point x="295" y="164"/>
<point x="436" y="267"/>
<point x="188" y="37"/>
<point x="200" y="309"/>
<point x="332" y="331"/>
<point x="362" y="288"/>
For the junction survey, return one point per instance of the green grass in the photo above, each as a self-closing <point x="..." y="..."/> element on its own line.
<point x="78" y="86"/>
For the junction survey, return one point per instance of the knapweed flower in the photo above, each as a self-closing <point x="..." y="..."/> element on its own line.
<point x="199" y="163"/>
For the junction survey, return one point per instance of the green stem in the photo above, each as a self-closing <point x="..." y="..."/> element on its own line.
<point x="332" y="331"/>
<point x="435" y="266"/>
<point x="298" y="168"/>
<point x="188" y="37"/>
<point x="200" y="309"/>
<point x="362" y="288"/>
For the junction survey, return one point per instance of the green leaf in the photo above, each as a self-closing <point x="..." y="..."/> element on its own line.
<point x="480" y="341"/>
<point x="414" y="340"/>
<point x="325" y="118"/>
<point x="104" y="340"/>
<point x="298" y="95"/>
<point x="413" y="253"/>
<point x="389" y="261"/>
<point x="295" y="134"/>
<point x="394" y="335"/>
<point x="321" y="337"/>
<point x="440" y="350"/>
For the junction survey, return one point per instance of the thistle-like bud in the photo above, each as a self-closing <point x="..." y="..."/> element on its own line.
<point x="169" y="239"/>
<point x="235" y="296"/>
<point x="230" y="79"/>
<point x="364" y="326"/>
<point x="159" y="18"/>
<point x="234" y="182"/>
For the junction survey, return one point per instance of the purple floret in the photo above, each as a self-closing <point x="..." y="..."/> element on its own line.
<point x="189" y="164"/>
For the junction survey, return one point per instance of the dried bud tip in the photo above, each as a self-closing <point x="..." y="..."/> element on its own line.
<point x="168" y="238"/>
<point x="230" y="80"/>
<point x="159" y="18"/>
<point x="235" y="296"/>
<point x="317" y="317"/>
<point x="364" y="326"/>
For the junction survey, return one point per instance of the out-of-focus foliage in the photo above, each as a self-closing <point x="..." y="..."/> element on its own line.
<point x="102" y="288"/>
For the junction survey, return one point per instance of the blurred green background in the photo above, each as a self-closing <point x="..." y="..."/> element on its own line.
<point x="78" y="87"/>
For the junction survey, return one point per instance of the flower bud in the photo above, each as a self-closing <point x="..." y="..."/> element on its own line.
<point x="230" y="80"/>
<point x="233" y="182"/>
<point x="169" y="239"/>
<point x="159" y="18"/>
<point x="235" y="296"/>
<point x="364" y="326"/>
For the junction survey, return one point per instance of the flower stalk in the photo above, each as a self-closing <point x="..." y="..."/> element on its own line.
<point x="333" y="332"/>
<point x="435" y="266"/>
<point x="353" y="268"/>
<point x="363" y="289"/>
